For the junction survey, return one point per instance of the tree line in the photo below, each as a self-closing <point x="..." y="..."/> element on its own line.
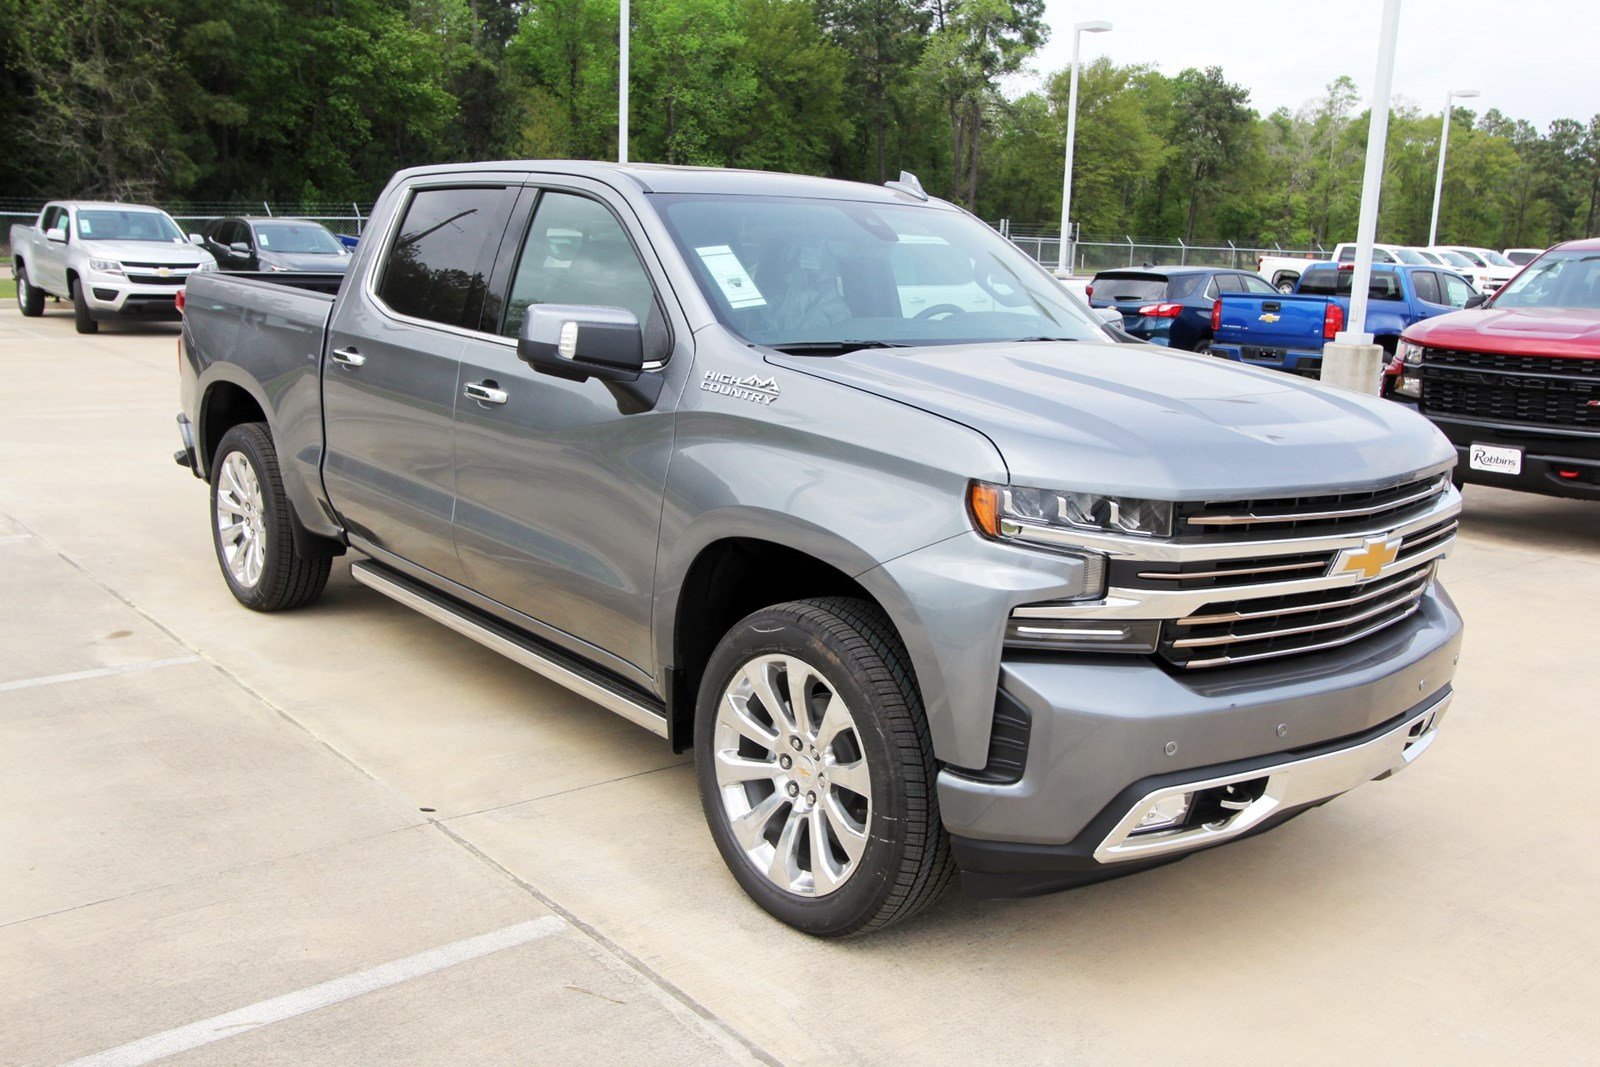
<point x="320" y="100"/>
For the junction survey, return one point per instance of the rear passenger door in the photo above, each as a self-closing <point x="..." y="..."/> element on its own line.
<point x="559" y="488"/>
<point x="389" y="380"/>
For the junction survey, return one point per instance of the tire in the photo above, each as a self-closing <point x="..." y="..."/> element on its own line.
<point x="886" y="852"/>
<point x="80" y="310"/>
<point x="252" y="529"/>
<point x="30" y="301"/>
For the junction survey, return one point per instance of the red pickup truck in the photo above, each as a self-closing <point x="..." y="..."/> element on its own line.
<point x="1515" y="383"/>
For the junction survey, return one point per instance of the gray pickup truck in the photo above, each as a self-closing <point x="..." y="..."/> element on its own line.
<point x="831" y="485"/>
<point x="110" y="261"/>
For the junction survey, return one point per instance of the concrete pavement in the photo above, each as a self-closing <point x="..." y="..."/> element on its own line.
<point x="203" y="809"/>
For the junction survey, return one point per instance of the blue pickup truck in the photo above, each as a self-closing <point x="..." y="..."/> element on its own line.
<point x="1287" y="331"/>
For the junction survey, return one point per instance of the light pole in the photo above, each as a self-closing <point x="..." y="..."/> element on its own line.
<point x="1078" y="31"/>
<point x="622" y="84"/>
<point x="1444" y="142"/>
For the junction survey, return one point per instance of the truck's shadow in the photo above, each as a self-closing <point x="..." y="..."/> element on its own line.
<point x="1529" y="521"/>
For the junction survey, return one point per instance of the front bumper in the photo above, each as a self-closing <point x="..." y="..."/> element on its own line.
<point x="110" y="296"/>
<point x="1109" y="733"/>
<point x="1545" y="456"/>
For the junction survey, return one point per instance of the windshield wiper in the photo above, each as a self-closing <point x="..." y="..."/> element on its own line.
<point x="831" y="348"/>
<point x="1021" y="340"/>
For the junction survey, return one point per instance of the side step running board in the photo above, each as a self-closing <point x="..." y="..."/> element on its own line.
<point x="556" y="666"/>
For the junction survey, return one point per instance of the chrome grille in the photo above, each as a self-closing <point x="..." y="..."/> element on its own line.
<point x="1309" y="515"/>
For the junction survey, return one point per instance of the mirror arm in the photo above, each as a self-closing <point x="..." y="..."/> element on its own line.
<point x="640" y="394"/>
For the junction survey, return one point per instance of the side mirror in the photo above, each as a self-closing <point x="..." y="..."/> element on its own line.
<point x="240" y="247"/>
<point x="577" y="343"/>
<point x="59" y="234"/>
<point x="1475" y="300"/>
<point x="196" y="239"/>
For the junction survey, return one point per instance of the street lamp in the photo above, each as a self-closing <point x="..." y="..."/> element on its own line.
<point x="1072" y="129"/>
<point x="1444" y="141"/>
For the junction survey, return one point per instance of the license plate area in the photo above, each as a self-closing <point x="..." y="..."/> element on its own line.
<point x="1496" y="459"/>
<point x="1253" y="354"/>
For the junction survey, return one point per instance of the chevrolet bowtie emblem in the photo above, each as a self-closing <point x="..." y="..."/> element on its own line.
<point x="1269" y="317"/>
<point x="164" y="272"/>
<point x="1370" y="559"/>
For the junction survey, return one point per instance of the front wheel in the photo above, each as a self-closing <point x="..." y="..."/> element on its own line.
<point x="252" y="529"/>
<point x="30" y="301"/>
<point x="816" y="770"/>
<point x="81" y="319"/>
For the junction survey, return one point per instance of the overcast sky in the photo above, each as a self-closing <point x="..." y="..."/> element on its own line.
<point x="1533" y="59"/>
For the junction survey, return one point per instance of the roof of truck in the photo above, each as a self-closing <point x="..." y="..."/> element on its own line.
<point x="665" y="178"/>
<point x="101" y="204"/>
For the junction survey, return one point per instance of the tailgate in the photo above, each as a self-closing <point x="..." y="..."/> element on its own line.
<point x="1288" y="321"/>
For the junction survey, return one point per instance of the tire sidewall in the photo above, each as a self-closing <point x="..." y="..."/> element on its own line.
<point x="863" y="895"/>
<point x="240" y="440"/>
<point x="30" y="299"/>
<point x="82" y="319"/>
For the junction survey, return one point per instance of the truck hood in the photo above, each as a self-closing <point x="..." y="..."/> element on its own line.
<point x="169" y="254"/>
<point x="1568" y="332"/>
<point x="1146" y="421"/>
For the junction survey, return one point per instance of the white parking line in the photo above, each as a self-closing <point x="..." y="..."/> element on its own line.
<point x="289" y="1005"/>
<point x="98" y="672"/>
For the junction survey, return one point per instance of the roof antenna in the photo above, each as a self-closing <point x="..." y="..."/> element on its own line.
<point x="908" y="183"/>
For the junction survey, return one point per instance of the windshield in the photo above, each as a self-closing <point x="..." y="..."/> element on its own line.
<point x="111" y="224"/>
<point x="1496" y="259"/>
<point x="1555" y="280"/>
<point x="1455" y="259"/>
<point x="297" y="238"/>
<point x="795" y="271"/>
<point x="1411" y="256"/>
<point x="1522" y="257"/>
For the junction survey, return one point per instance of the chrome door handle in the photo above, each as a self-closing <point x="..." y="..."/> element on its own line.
<point x="485" y="393"/>
<point x="347" y="357"/>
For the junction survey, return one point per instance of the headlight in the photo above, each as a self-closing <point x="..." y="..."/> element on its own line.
<point x="105" y="266"/>
<point x="207" y="266"/>
<point x="1410" y="358"/>
<point x="1009" y="512"/>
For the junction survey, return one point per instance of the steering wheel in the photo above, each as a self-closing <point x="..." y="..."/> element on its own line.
<point x="940" y="309"/>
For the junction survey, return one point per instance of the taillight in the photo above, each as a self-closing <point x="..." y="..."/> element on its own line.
<point x="1216" y="315"/>
<point x="178" y="301"/>
<point x="1161" y="311"/>
<point x="1088" y="292"/>
<point x="1332" y="320"/>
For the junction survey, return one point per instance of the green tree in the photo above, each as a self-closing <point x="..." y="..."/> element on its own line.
<point x="796" y="118"/>
<point x="1211" y="126"/>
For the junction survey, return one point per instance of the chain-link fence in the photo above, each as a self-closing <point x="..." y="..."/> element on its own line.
<point x="1097" y="252"/>
<point x="192" y="216"/>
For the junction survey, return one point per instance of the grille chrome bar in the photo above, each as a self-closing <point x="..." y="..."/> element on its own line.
<point x="1297" y="650"/>
<point x="1415" y="583"/>
<point x="1179" y="576"/>
<point x="1251" y="518"/>
<point x="1405" y="596"/>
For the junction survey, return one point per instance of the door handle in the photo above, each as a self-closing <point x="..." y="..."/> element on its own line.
<point x="347" y="357"/>
<point x="485" y="393"/>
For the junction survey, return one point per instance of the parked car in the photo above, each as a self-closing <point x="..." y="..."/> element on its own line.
<point x="981" y="590"/>
<point x="110" y="260"/>
<point x="1521" y="257"/>
<point x="275" y="245"/>
<point x="1491" y="270"/>
<point x="1402" y="254"/>
<point x="1515" y="384"/>
<point x="1287" y="332"/>
<point x="1170" y="305"/>
<point x="1284" y="271"/>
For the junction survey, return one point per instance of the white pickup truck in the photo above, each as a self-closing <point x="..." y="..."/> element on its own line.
<point x="109" y="260"/>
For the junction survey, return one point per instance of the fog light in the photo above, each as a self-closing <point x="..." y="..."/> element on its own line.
<point x="1167" y="813"/>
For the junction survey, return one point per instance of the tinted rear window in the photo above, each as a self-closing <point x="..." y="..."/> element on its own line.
<point x="441" y="255"/>
<point x="1322" y="282"/>
<point x="1126" y="288"/>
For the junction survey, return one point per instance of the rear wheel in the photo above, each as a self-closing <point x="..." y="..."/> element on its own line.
<point x="252" y="529"/>
<point x="30" y="301"/>
<point x="816" y="770"/>
<point x="80" y="310"/>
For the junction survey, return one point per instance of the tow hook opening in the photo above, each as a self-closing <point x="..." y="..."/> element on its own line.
<point x="1419" y="730"/>
<point x="1207" y="807"/>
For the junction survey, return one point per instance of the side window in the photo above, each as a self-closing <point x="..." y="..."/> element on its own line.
<point x="55" y="218"/>
<point x="1380" y="256"/>
<point x="441" y="255"/>
<point x="1385" y="286"/>
<point x="1347" y="254"/>
<point x="1252" y="284"/>
<point x="1456" y="291"/>
<point x="576" y="252"/>
<point x="1427" y="284"/>
<point x="1229" y="283"/>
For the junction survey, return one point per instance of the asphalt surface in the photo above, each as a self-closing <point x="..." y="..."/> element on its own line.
<point x="347" y="835"/>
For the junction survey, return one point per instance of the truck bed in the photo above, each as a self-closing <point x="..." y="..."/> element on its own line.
<point x="1273" y="331"/>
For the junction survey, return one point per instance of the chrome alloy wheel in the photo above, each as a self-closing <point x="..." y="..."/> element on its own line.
<point x="22" y="290"/>
<point x="792" y="775"/>
<point x="241" y="525"/>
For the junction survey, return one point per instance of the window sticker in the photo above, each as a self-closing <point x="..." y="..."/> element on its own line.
<point x="85" y="227"/>
<point x="263" y="239"/>
<point x="731" y="277"/>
